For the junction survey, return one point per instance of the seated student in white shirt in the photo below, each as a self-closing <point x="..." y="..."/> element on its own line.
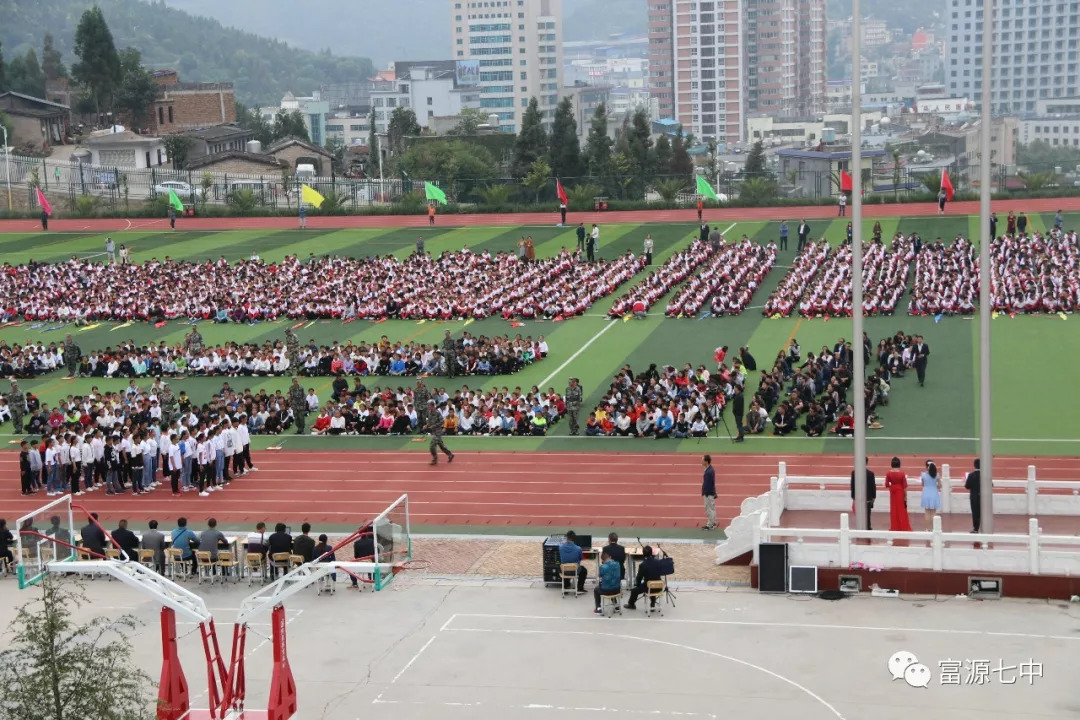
<point x="699" y="428"/>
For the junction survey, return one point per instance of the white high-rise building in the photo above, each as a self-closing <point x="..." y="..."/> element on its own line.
<point x="512" y="51"/>
<point x="1034" y="52"/>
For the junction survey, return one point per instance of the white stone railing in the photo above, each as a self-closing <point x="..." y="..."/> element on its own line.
<point x="1033" y="553"/>
<point x="1029" y="497"/>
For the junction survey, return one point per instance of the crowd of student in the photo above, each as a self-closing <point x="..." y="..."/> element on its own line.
<point x="1036" y="273"/>
<point x="398" y="411"/>
<point x="730" y="277"/>
<point x="819" y="281"/>
<point x="476" y="355"/>
<point x="453" y="284"/>
<point x="639" y="298"/>
<point x="665" y="402"/>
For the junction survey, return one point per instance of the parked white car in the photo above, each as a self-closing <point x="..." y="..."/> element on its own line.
<point x="182" y="189"/>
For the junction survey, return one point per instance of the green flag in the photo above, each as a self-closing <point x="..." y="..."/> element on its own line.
<point x="174" y="200"/>
<point x="434" y="193"/>
<point x="704" y="188"/>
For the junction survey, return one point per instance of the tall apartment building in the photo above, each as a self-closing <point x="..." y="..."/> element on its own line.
<point x="1034" y="52"/>
<point x="511" y="50"/>
<point x="736" y="58"/>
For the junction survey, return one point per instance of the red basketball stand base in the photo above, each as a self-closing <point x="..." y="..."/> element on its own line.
<point x="245" y="715"/>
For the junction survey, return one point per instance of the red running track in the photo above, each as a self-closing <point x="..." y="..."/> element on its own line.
<point x="642" y="490"/>
<point x="735" y="214"/>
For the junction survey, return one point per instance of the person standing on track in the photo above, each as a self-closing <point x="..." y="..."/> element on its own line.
<point x="434" y="425"/>
<point x="708" y="491"/>
<point x="298" y="404"/>
<point x="573" y="404"/>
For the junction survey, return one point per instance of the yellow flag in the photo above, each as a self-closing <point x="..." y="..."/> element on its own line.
<point x="311" y="196"/>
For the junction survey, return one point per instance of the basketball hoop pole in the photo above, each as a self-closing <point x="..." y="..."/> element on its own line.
<point x="173" y="687"/>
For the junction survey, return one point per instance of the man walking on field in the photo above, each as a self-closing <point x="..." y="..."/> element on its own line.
<point x="434" y="422"/>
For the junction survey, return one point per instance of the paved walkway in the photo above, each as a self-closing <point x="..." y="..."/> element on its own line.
<point x="870" y="210"/>
<point x="521" y="559"/>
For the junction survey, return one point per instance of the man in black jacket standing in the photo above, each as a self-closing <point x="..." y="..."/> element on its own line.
<point x="973" y="484"/>
<point x="922" y="355"/>
<point x="871" y="494"/>
<point x="804" y="235"/>
<point x="708" y="491"/>
<point x="738" y="408"/>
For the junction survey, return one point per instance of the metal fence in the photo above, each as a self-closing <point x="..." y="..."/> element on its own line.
<point x="80" y="187"/>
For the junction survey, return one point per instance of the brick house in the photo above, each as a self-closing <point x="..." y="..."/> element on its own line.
<point x="293" y="151"/>
<point x="187" y="106"/>
<point x="217" y="139"/>
<point x="238" y="162"/>
<point x="35" y="122"/>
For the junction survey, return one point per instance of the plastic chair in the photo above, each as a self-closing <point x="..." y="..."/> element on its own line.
<point x="568" y="573"/>
<point x="654" y="593"/>
<point x="295" y="561"/>
<point x="179" y="567"/>
<point x="146" y="559"/>
<point x="279" y="561"/>
<point x="206" y="566"/>
<point x="228" y="566"/>
<point x="611" y="603"/>
<point x="256" y="568"/>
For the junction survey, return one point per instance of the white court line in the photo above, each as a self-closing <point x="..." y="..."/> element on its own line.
<point x="807" y="691"/>
<point x="801" y="626"/>
<point x="573" y="357"/>
<point x="413" y="659"/>
<point x="556" y="708"/>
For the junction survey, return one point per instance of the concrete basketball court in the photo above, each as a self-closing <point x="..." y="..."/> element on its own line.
<point x="445" y="648"/>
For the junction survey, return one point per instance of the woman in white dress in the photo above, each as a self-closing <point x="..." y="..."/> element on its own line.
<point x="931" y="493"/>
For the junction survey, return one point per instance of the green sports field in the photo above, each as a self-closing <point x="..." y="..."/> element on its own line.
<point x="1036" y="386"/>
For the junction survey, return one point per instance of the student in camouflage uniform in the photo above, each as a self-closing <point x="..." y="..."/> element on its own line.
<point x="167" y="403"/>
<point x="194" y="340"/>
<point x="292" y="348"/>
<point x="298" y="404"/>
<point x="421" y="397"/>
<point x="573" y="404"/>
<point x="434" y="425"/>
<point x="17" y="405"/>
<point x="71" y="355"/>
<point x="449" y="349"/>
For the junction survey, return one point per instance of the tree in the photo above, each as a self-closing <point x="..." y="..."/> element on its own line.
<point x="44" y="670"/>
<point x="177" y="148"/>
<point x="98" y="68"/>
<point x="531" y="143"/>
<point x="52" y="64"/>
<point x="758" y="190"/>
<point x="682" y="166"/>
<point x="24" y="75"/>
<point x="448" y="161"/>
<point x="373" y="143"/>
<point x="336" y="148"/>
<point x="640" y="141"/>
<point x="598" y="144"/>
<point x="539" y="175"/>
<point x="402" y="124"/>
<point x="137" y="89"/>
<point x="470" y="121"/>
<point x="662" y="154"/>
<point x="669" y="189"/>
<point x="3" y="73"/>
<point x="6" y="122"/>
<point x="564" y="155"/>
<point x="755" y="162"/>
<point x="289" y="124"/>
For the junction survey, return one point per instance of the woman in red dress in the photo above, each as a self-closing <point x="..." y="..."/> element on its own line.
<point x="896" y="483"/>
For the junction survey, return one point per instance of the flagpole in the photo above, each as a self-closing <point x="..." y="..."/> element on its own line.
<point x="986" y="444"/>
<point x="859" y="370"/>
<point x="7" y="167"/>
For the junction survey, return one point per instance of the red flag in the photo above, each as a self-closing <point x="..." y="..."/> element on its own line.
<point x="43" y="202"/>
<point x="946" y="185"/>
<point x="845" y="181"/>
<point x="561" y="192"/>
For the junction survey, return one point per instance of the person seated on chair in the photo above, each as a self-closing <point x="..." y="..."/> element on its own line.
<point x="617" y="553"/>
<point x="324" y="552"/>
<point x="363" y="550"/>
<point x="211" y="539"/>
<point x="569" y="552"/>
<point x="610" y="582"/>
<point x="6" y="541"/>
<point x="648" y="570"/>
<point x="154" y="539"/>
<point x="279" y="542"/>
<point x="93" y="537"/>
<point x="305" y="544"/>
<point x="256" y="541"/>
<point x="126" y="541"/>
<point x="182" y="538"/>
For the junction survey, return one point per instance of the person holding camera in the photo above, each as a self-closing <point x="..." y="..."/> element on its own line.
<point x="648" y="570"/>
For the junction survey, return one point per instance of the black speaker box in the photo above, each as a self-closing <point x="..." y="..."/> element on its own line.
<point x="772" y="567"/>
